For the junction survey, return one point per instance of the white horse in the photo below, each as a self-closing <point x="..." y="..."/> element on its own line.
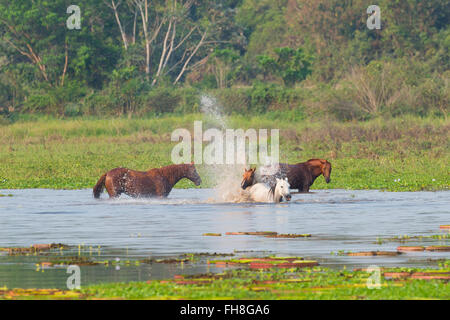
<point x="261" y="192"/>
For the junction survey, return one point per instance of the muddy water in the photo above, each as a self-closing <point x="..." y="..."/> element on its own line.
<point x="130" y="229"/>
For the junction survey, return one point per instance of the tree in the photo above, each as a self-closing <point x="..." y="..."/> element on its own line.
<point x="292" y="65"/>
<point x="173" y="33"/>
<point x="222" y="62"/>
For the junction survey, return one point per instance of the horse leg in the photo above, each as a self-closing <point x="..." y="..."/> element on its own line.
<point x="113" y="187"/>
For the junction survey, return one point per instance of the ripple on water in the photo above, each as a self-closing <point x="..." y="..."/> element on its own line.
<point x="176" y="224"/>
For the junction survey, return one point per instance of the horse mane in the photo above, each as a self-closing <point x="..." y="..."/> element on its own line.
<point x="316" y="159"/>
<point x="272" y="190"/>
<point x="173" y="172"/>
<point x="173" y="168"/>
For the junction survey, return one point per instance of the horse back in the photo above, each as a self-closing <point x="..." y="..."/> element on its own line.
<point x="299" y="176"/>
<point x="137" y="183"/>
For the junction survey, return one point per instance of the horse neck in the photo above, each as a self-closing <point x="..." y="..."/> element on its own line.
<point x="275" y="194"/>
<point x="174" y="173"/>
<point x="316" y="170"/>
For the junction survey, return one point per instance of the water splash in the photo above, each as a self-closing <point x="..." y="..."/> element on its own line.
<point x="212" y="109"/>
<point x="270" y="172"/>
<point x="225" y="179"/>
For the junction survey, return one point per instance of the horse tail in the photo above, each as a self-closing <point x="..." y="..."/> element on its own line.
<point x="98" y="189"/>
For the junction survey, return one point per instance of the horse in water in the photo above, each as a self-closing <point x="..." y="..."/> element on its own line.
<point x="262" y="192"/>
<point x="300" y="176"/>
<point x="155" y="182"/>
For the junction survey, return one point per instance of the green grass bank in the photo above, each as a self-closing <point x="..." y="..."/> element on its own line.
<point x="394" y="154"/>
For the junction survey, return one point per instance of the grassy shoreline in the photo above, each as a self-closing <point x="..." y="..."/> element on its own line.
<point x="312" y="283"/>
<point x="407" y="154"/>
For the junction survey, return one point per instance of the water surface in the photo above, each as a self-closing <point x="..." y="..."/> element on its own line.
<point x="129" y="228"/>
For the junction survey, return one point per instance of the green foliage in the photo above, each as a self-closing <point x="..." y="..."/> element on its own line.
<point x="321" y="47"/>
<point x="223" y="63"/>
<point x="51" y="100"/>
<point x="290" y="64"/>
<point x="294" y="283"/>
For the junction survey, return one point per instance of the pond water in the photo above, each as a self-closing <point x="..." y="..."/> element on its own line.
<point x="128" y="228"/>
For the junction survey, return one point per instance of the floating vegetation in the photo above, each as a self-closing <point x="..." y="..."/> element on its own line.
<point x="208" y="254"/>
<point x="55" y="294"/>
<point x="447" y="226"/>
<point x="305" y="283"/>
<point x="269" y="234"/>
<point x="289" y="235"/>
<point x="34" y="249"/>
<point x="268" y="262"/>
<point x="431" y="275"/>
<point x="410" y="248"/>
<point x="397" y="275"/>
<point x="166" y="260"/>
<point x="252" y="233"/>
<point x="210" y="234"/>
<point x="406" y="238"/>
<point x="5" y="195"/>
<point x="73" y="260"/>
<point x="438" y="248"/>
<point x="269" y="277"/>
<point x="373" y="253"/>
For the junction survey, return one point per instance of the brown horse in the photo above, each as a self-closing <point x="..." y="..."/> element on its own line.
<point x="155" y="182"/>
<point x="300" y="176"/>
<point x="248" y="178"/>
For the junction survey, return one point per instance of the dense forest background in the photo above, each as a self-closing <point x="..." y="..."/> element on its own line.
<point x="289" y="58"/>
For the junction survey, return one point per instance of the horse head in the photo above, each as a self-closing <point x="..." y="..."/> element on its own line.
<point x="193" y="175"/>
<point x="248" y="178"/>
<point x="282" y="189"/>
<point x="320" y="166"/>
<point x="326" y="171"/>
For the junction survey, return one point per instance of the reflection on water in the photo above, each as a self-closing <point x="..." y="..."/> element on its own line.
<point x="337" y="219"/>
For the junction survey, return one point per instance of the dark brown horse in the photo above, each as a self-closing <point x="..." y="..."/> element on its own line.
<point x="300" y="176"/>
<point x="155" y="182"/>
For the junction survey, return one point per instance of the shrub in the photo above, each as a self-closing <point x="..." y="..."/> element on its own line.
<point x="162" y="100"/>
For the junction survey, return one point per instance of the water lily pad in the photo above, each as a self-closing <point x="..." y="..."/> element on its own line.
<point x="268" y="262"/>
<point x="294" y="264"/>
<point x="35" y="248"/>
<point x="288" y="235"/>
<point x="46" y="264"/>
<point x="438" y="248"/>
<point x="252" y="233"/>
<point x="431" y="275"/>
<point x="374" y="253"/>
<point x="397" y="275"/>
<point x="410" y="248"/>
